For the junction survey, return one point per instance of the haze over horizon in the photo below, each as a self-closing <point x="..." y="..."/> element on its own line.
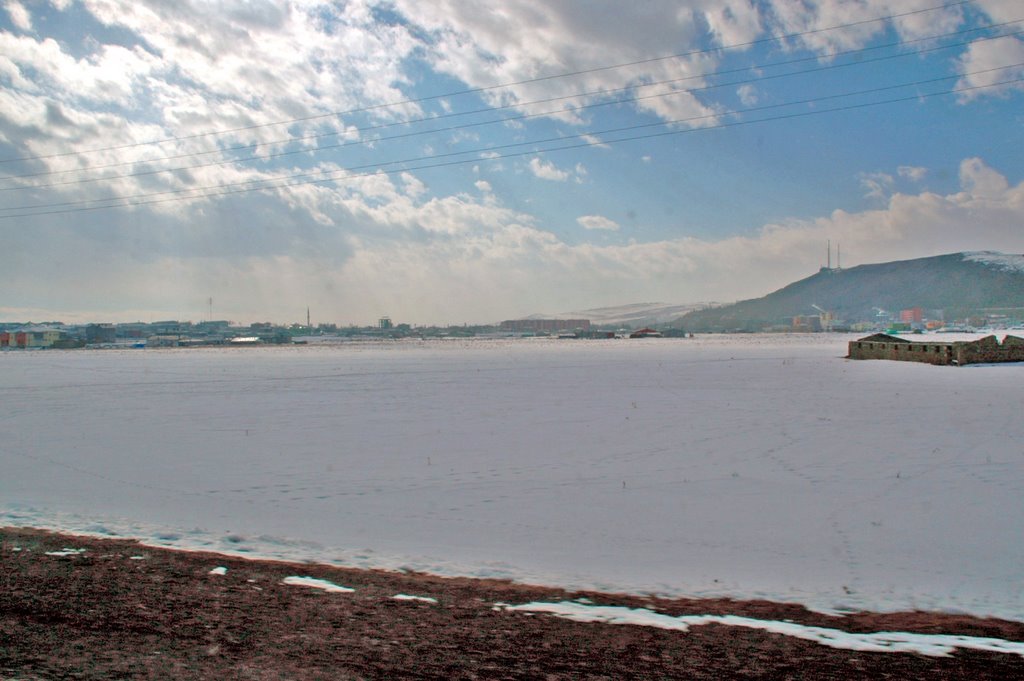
<point x="541" y="157"/>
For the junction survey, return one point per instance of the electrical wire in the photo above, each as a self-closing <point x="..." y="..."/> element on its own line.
<point x="478" y="90"/>
<point x="309" y="178"/>
<point x="507" y="119"/>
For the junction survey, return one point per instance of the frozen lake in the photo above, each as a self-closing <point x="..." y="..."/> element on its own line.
<point x="750" y="466"/>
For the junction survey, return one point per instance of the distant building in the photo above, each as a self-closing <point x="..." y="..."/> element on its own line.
<point x="134" y="330"/>
<point x="807" y="323"/>
<point x="165" y="341"/>
<point x="981" y="351"/>
<point x="913" y="315"/>
<point x="31" y="337"/>
<point x="100" y="333"/>
<point x="170" y="328"/>
<point x="384" y="323"/>
<point x="213" y="327"/>
<point x="545" y="325"/>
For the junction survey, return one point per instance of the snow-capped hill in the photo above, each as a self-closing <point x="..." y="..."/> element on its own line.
<point x="632" y="314"/>
<point x="1010" y="262"/>
<point x="635" y="314"/>
<point x="959" y="284"/>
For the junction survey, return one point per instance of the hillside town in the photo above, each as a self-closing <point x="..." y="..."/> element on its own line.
<point x="909" y="320"/>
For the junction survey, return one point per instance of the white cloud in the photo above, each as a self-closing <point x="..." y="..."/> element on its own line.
<point x="597" y="222"/>
<point x="914" y="173"/>
<point x="414" y="187"/>
<point x="747" y="94"/>
<point x="20" y="16"/>
<point x="1000" y="10"/>
<point x="356" y="247"/>
<point x="980" y="181"/>
<point x="877" y="185"/>
<point x="810" y="18"/>
<point x="529" y="39"/>
<point x="547" y="171"/>
<point x="520" y="269"/>
<point x="455" y="259"/>
<point x="107" y="76"/>
<point x="733" y="22"/>
<point x="195" y="68"/>
<point x="594" y="141"/>
<point x="985" y="64"/>
<point x="224" y="65"/>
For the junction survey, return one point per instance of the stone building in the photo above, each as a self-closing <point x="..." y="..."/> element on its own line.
<point x="959" y="353"/>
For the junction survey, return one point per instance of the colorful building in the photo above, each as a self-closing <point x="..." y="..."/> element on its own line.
<point x="31" y="337"/>
<point x="913" y="315"/>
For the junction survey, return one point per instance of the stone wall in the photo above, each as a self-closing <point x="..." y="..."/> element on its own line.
<point x="985" y="350"/>
<point x="930" y="353"/>
<point x="989" y="349"/>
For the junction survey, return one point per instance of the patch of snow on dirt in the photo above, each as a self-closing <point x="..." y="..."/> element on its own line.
<point x="422" y="599"/>
<point x="935" y="645"/>
<point x="66" y="552"/>
<point x="317" y="584"/>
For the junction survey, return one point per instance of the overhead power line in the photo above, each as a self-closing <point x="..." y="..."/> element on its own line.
<point x="347" y="174"/>
<point x="489" y="88"/>
<point x="507" y="119"/>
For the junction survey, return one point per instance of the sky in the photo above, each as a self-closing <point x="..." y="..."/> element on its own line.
<point x="445" y="162"/>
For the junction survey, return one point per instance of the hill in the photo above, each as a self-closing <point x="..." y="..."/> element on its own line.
<point x="959" y="284"/>
<point x="633" y="315"/>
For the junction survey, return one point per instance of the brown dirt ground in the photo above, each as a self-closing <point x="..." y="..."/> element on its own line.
<point x="103" y="614"/>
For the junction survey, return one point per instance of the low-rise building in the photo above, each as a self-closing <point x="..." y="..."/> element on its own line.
<point x="165" y="341"/>
<point x="100" y="333"/>
<point x="982" y="351"/>
<point x="913" y="315"/>
<point x="31" y="337"/>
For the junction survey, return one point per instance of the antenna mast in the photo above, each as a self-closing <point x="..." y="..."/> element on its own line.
<point x="828" y="260"/>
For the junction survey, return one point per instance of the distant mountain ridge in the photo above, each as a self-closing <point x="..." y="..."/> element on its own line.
<point x="958" y="283"/>
<point x="632" y="315"/>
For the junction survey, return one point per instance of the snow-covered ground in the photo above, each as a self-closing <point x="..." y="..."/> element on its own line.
<point x="750" y="466"/>
<point x="936" y="645"/>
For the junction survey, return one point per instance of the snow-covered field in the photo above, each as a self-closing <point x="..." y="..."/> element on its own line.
<point x="750" y="466"/>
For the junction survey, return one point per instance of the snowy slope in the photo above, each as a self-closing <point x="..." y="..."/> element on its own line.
<point x="1009" y="262"/>
<point x="751" y="466"/>
<point x="636" y="314"/>
<point x="961" y="284"/>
